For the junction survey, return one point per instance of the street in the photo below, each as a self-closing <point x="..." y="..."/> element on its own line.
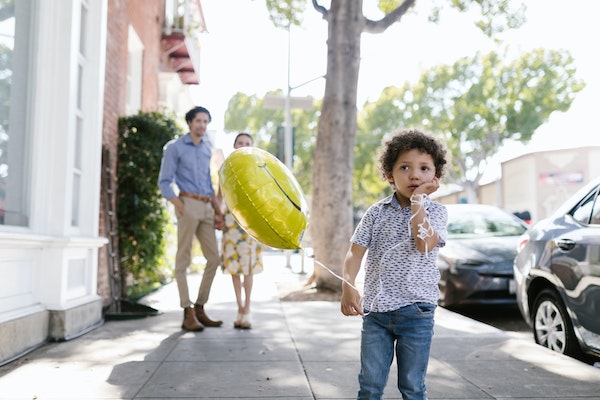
<point x="505" y="317"/>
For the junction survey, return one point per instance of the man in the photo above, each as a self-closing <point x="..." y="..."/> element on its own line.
<point x="186" y="162"/>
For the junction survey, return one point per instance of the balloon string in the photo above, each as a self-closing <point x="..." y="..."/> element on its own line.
<point x="329" y="270"/>
<point x="342" y="279"/>
<point x="425" y="230"/>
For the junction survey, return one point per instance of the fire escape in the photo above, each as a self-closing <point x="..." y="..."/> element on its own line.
<point x="184" y="21"/>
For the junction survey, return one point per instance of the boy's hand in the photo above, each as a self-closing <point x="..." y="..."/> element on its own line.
<point x="428" y="187"/>
<point x="350" y="302"/>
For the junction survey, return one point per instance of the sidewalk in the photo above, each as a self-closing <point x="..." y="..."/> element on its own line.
<point x="296" y="350"/>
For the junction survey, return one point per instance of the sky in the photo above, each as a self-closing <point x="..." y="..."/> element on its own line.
<point x="243" y="52"/>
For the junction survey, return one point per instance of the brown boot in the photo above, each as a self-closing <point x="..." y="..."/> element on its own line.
<point x="203" y="318"/>
<point x="190" y="322"/>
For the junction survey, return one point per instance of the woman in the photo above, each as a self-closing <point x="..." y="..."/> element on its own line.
<point x="242" y="255"/>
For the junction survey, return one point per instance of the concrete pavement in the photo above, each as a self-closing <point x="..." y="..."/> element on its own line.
<point x="296" y="350"/>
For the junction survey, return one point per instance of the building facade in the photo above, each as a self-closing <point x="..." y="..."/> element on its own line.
<point x="68" y="70"/>
<point x="537" y="182"/>
<point x="540" y="182"/>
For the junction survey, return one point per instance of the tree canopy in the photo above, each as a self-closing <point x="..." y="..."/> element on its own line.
<point x="477" y="104"/>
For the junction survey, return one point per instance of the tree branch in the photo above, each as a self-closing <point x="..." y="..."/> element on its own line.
<point x="388" y="19"/>
<point x="320" y="9"/>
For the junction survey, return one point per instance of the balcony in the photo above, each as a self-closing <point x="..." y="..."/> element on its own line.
<point x="180" y="41"/>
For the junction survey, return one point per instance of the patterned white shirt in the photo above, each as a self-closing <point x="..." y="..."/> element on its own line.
<point x="397" y="274"/>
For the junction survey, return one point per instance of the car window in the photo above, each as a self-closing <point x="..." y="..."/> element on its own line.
<point x="583" y="211"/>
<point x="488" y="222"/>
<point x="596" y="211"/>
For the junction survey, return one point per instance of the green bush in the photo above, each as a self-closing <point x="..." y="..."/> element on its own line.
<point x="143" y="220"/>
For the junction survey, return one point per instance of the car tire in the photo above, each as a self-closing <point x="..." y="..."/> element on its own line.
<point x="552" y="327"/>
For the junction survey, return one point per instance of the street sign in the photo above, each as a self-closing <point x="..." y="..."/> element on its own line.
<point x="277" y="102"/>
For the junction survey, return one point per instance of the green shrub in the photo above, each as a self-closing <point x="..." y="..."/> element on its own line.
<point x="143" y="220"/>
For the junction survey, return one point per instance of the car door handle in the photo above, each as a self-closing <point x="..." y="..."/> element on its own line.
<point x="565" y="244"/>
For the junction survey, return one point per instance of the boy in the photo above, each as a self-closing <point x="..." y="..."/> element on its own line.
<point x="403" y="233"/>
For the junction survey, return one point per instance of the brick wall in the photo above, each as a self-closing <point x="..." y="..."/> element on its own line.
<point x="146" y="17"/>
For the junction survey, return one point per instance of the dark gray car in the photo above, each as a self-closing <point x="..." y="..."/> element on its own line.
<point x="476" y="265"/>
<point x="557" y="273"/>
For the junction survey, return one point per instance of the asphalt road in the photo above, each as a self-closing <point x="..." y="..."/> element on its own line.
<point x="505" y="317"/>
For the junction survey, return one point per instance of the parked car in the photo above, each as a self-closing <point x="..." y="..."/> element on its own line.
<point x="557" y="273"/>
<point x="476" y="265"/>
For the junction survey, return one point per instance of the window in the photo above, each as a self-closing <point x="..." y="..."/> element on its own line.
<point x="135" y="53"/>
<point x="583" y="210"/>
<point x="15" y="26"/>
<point x="77" y="170"/>
<point x="596" y="211"/>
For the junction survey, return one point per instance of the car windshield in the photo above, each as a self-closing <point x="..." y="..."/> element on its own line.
<point x="474" y="221"/>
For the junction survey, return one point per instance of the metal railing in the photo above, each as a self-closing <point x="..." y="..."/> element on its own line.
<point x="184" y="16"/>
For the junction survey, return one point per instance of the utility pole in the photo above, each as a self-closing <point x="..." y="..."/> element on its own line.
<point x="287" y="103"/>
<point x="287" y="142"/>
<point x="275" y="102"/>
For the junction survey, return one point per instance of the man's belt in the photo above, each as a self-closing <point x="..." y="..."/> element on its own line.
<point x="200" y="197"/>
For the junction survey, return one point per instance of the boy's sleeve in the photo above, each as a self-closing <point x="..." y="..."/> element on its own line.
<point x="438" y="219"/>
<point x="362" y="233"/>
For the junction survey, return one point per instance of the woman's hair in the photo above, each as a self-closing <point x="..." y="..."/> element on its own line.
<point x="410" y="139"/>
<point x="243" y="134"/>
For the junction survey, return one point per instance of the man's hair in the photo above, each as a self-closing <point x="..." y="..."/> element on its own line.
<point x="190" y="115"/>
<point x="410" y="139"/>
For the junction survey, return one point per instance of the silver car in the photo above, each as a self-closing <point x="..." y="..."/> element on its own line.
<point x="557" y="274"/>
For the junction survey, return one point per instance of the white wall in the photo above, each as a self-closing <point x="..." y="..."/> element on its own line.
<point x="50" y="265"/>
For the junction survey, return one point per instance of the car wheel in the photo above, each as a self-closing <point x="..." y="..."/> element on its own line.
<point x="552" y="326"/>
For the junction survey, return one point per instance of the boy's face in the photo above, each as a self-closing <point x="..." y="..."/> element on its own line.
<point x="412" y="169"/>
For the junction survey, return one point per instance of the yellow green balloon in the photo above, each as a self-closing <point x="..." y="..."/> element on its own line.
<point x="264" y="197"/>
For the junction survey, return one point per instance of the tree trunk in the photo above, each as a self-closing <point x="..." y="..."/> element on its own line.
<point x="331" y="212"/>
<point x="471" y="192"/>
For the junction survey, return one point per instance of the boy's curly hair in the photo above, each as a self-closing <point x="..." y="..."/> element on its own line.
<point x="410" y="139"/>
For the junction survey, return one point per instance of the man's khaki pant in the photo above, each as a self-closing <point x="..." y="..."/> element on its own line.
<point x="198" y="221"/>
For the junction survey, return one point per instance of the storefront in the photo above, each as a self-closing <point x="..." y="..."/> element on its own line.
<point x="51" y="84"/>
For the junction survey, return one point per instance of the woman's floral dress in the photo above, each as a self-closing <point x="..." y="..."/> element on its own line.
<point x="242" y="254"/>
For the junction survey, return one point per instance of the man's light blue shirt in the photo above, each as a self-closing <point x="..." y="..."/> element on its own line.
<point x="188" y="165"/>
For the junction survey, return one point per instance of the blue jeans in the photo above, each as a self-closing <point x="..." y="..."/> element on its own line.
<point x="410" y="328"/>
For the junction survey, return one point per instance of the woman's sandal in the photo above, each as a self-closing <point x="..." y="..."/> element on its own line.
<point x="245" y="322"/>
<point x="238" y="321"/>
